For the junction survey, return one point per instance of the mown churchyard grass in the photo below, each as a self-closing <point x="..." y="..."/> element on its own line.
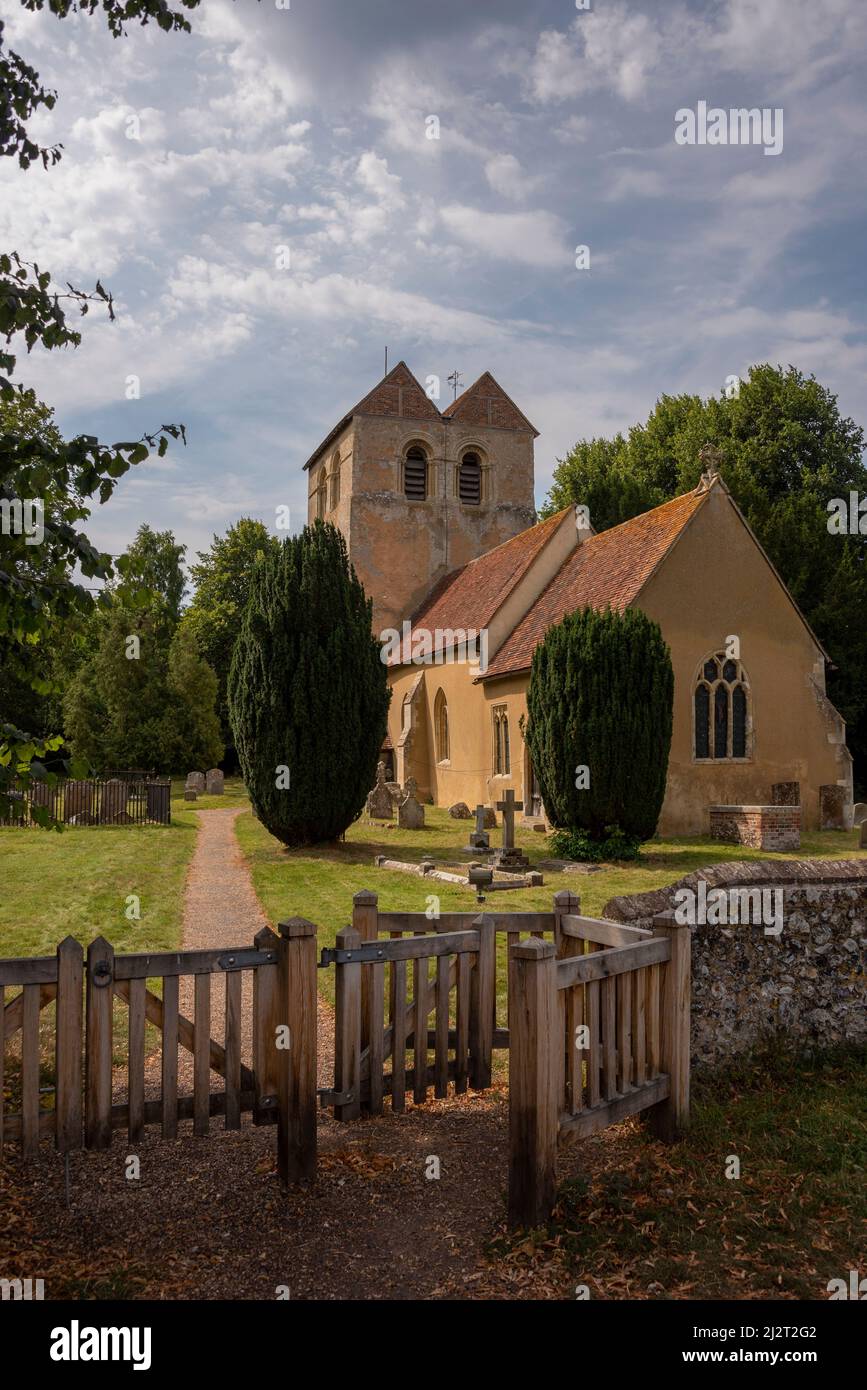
<point x="646" y="1220"/>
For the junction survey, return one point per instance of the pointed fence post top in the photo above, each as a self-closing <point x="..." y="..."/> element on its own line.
<point x="567" y="901"/>
<point x="533" y="949"/>
<point x="366" y="897"/>
<point x="348" y="938"/>
<point x="294" y="927"/>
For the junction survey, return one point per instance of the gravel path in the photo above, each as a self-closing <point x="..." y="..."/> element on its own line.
<point x="207" y="1218"/>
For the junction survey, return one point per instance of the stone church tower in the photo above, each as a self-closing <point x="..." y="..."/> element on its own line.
<point x="418" y="492"/>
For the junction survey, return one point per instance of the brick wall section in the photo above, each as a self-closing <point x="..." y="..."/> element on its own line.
<point x="806" y="985"/>
<point x="761" y="827"/>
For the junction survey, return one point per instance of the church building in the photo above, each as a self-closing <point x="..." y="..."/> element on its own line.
<point x="438" y="512"/>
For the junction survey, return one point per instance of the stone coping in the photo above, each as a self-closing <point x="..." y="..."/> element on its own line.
<point x="792" y="873"/>
<point x="769" y="807"/>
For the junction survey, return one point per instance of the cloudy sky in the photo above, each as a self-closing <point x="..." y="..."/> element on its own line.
<point x="196" y="166"/>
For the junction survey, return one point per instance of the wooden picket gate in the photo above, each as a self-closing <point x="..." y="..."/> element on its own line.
<point x="599" y="1030"/>
<point x="374" y="1024"/>
<point x="279" y="1088"/>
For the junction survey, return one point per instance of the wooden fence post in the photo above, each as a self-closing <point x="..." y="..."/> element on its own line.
<point x="671" y="1116"/>
<point x="347" y="1028"/>
<point x="534" y="1049"/>
<point x="483" y="1005"/>
<point x="266" y="1017"/>
<point x="364" y="918"/>
<point x="68" y="1053"/>
<point x="566" y="904"/>
<point x="570" y="1003"/>
<point x="296" y="1124"/>
<point x="98" y="1044"/>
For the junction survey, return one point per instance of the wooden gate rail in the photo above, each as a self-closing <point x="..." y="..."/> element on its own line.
<point x="595" y="1037"/>
<point x="280" y="1087"/>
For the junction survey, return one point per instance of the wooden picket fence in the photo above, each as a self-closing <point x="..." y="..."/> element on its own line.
<point x="600" y="1030"/>
<point x="279" y="1088"/>
<point x="597" y="1029"/>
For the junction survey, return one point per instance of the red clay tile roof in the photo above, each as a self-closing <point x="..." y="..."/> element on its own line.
<point x="609" y="568"/>
<point x="385" y="399"/>
<point x="469" y="597"/>
<point x="486" y="403"/>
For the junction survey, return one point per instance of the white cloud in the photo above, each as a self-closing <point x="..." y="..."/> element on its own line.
<point x="529" y="238"/>
<point x="506" y="176"/>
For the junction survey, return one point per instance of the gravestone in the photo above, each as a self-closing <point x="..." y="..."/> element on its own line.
<point x="379" y="802"/>
<point x="859" y="813"/>
<point x="410" y="812"/>
<point x="214" y="782"/>
<point x="460" y="811"/>
<point x="489" y="819"/>
<point x="832" y="807"/>
<point x="190" y="794"/>
<point x="480" y="840"/>
<point x="195" y="781"/>
<point x="114" y="798"/>
<point x="510" y="857"/>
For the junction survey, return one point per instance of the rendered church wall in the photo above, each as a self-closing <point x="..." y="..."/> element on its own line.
<point x="715" y="583"/>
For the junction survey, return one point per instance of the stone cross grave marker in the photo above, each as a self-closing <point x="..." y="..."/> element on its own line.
<point x="509" y="806"/>
<point x="509" y="857"/>
<point x="479" y="839"/>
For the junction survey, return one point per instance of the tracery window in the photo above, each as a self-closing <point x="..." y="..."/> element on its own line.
<point x="441" y="727"/>
<point x="721" y="704"/>
<point x="502" y="758"/>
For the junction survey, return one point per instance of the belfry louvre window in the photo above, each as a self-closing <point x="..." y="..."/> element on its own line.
<point x="721" y="709"/>
<point x="470" y="480"/>
<point x="415" y="474"/>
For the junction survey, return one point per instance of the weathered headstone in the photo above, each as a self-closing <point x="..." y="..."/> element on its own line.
<point x="114" y="798"/>
<point x="510" y="857"/>
<point x="832" y="807"/>
<point x="410" y="812"/>
<point x="859" y="813"/>
<point x="214" y="782"/>
<point x="490" y="818"/>
<point x="195" y="781"/>
<point x="480" y="840"/>
<point x="379" y="802"/>
<point x="190" y="794"/>
<point x="460" y="811"/>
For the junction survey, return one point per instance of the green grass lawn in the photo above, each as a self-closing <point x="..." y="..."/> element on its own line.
<point x="319" y="883"/>
<point x="647" y="1220"/>
<point x="76" y="884"/>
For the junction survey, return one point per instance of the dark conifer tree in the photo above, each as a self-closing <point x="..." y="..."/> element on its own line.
<point x="307" y="690"/>
<point x="600" y="697"/>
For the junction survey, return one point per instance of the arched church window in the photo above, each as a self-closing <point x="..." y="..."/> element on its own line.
<point x="415" y="474"/>
<point x="502" y="752"/>
<point x="441" y="727"/>
<point x="470" y="480"/>
<point x="721" y="705"/>
<point x="335" y="481"/>
<point x="321" y="495"/>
